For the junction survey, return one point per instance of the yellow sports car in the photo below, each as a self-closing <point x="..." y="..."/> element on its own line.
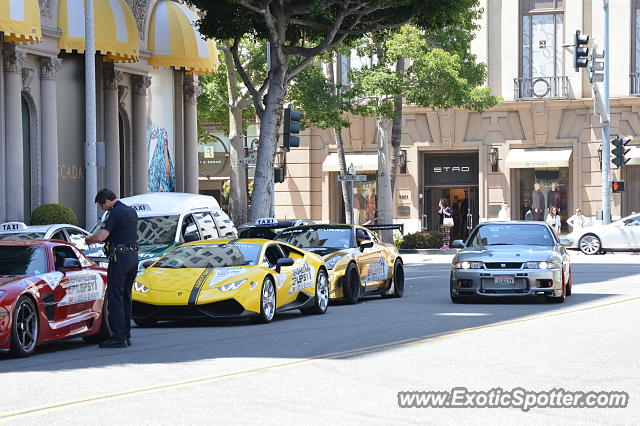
<point x="359" y="263"/>
<point x="230" y="278"/>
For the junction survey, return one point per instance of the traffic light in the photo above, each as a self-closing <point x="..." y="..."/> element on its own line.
<point x="580" y="51"/>
<point x="596" y="66"/>
<point x="617" y="186"/>
<point x="619" y="151"/>
<point x="278" y="174"/>
<point x="292" y="119"/>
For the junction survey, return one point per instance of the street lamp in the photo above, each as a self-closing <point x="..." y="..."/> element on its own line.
<point x="493" y="159"/>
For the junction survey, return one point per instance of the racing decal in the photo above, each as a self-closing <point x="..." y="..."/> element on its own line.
<point x="83" y="287"/>
<point x="301" y="278"/>
<point x="378" y="271"/>
<point x="52" y="279"/>
<point x="223" y="274"/>
<point x="193" y="297"/>
<point x="280" y="280"/>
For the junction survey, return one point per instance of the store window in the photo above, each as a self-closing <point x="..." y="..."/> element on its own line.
<point x="365" y="201"/>
<point x="540" y="189"/>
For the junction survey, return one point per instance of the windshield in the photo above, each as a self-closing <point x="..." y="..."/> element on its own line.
<point x="315" y="237"/>
<point x="22" y="236"/>
<point x="211" y="256"/>
<point x="22" y="260"/>
<point x="261" y="232"/>
<point x="503" y="234"/>
<point x="157" y="229"/>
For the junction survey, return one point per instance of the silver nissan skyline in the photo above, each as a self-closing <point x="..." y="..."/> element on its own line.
<point x="511" y="259"/>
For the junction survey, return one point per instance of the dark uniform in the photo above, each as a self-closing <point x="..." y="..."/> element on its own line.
<point x="122" y="224"/>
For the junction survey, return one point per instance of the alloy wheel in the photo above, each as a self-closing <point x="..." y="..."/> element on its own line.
<point x="590" y="244"/>
<point x="322" y="291"/>
<point x="268" y="300"/>
<point x="26" y="326"/>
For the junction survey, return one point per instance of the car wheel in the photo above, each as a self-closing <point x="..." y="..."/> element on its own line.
<point x="397" y="279"/>
<point x="24" y="327"/>
<point x="351" y="284"/>
<point x="590" y="244"/>
<point x="145" y="323"/>
<point x="105" y="330"/>
<point x="267" y="302"/>
<point x="321" y="300"/>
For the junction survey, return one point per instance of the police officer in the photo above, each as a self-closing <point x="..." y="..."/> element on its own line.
<point x="120" y="233"/>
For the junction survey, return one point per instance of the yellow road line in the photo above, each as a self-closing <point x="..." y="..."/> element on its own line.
<point x="28" y="412"/>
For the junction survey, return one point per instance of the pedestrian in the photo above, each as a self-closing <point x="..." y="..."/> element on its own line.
<point x="578" y="221"/>
<point x="553" y="220"/>
<point x="446" y="222"/>
<point x="120" y="232"/>
<point x="504" y="213"/>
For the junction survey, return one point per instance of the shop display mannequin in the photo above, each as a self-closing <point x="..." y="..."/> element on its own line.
<point x="537" y="202"/>
<point x="553" y="196"/>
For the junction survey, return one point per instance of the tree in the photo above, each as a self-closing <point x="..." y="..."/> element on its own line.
<point x="435" y="78"/>
<point x="298" y="31"/>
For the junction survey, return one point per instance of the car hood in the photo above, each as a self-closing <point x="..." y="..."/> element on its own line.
<point x="185" y="279"/>
<point x="513" y="253"/>
<point x="149" y="251"/>
<point x="326" y="252"/>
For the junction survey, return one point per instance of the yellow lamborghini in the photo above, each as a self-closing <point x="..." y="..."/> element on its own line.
<point x="359" y="263"/>
<point x="230" y="278"/>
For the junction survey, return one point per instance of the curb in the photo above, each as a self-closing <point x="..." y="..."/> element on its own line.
<point x="429" y="251"/>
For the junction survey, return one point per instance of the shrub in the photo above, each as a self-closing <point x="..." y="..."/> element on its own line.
<point x="48" y="214"/>
<point x="422" y="240"/>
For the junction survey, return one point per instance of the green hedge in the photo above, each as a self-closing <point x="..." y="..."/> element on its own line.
<point x="422" y="240"/>
<point x="48" y="214"/>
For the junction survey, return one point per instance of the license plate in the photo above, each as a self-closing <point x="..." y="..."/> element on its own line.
<point x="504" y="280"/>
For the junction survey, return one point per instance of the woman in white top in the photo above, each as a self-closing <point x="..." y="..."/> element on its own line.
<point x="578" y="221"/>
<point x="553" y="220"/>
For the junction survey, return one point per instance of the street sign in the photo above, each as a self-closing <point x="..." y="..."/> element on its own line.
<point x="251" y="160"/>
<point x="352" y="178"/>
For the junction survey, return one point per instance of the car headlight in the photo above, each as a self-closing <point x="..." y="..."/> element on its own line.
<point x="541" y="265"/>
<point x="140" y="288"/>
<point x="468" y="265"/>
<point x="232" y="286"/>
<point x="331" y="263"/>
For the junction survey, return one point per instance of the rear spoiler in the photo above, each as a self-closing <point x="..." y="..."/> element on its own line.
<point x="383" y="227"/>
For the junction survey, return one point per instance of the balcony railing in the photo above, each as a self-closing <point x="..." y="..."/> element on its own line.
<point x="635" y="83"/>
<point x="541" y="87"/>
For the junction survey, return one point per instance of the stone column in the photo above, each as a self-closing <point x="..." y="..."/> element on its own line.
<point x="191" y="92"/>
<point x="49" y="68"/>
<point x="140" y="160"/>
<point x="110" y="79"/>
<point x="178" y="128"/>
<point x="13" y="62"/>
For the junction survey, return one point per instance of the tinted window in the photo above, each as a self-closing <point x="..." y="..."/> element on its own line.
<point x="157" y="229"/>
<point x="189" y="226"/>
<point x="22" y="236"/>
<point x="211" y="256"/>
<point x="77" y="238"/>
<point x="22" y="260"/>
<point x="60" y="253"/>
<point x="501" y="234"/>
<point x="59" y="236"/>
<point x="317" y="237"/>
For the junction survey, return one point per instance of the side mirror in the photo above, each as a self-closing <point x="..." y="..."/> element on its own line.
<point x="365" y="244"/>
<point x="284" y="261"/>
<point x="457" y="244"/>
<point x="565" y="242"/>
<point x="71" y="264"/>
<point x="191" y="236"/>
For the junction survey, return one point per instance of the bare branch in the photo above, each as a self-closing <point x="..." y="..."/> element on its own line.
<point x="257" y="102"/>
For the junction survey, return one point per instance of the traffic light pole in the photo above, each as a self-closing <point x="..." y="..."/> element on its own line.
<point x="606" y="130"/>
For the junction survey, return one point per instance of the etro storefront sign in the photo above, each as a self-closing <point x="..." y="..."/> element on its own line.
<point x="456" y="169"/>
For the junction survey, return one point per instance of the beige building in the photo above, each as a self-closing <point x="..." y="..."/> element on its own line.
<point x="545" y="135"/>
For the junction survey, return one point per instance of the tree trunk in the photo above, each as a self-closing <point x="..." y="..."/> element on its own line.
<point x="396" y="132"/>
<point x="263" y="186"/>
<point x="385" y="196"/>
<point x="347" y="187"/>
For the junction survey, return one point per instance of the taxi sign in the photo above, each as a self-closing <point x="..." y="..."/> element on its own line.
<point x="141" y="207"/>
<point x="12" y="226"/>
<point x="266" y="221"/>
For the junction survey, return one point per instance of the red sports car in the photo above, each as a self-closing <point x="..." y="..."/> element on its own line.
<point x="49" y="291"/>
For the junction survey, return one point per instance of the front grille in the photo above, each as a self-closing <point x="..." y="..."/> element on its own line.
<point x="503" y="265"/>
<point x="488" y="285"/>
<point x="225" y="307"/>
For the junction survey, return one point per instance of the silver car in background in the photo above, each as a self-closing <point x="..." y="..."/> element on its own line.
<point x="511" y="259"/>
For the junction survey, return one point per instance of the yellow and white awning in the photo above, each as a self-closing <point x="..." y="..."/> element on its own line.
<point x="175" y="41"/>
<point x="116" y="32"/>
<point x="20" y="21"/>
<point x="362" y="162"/>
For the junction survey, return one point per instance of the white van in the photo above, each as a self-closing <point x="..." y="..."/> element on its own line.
<point x="166" y="219"/>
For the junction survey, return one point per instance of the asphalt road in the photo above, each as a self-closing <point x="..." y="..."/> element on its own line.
<point x="348" y="365"/>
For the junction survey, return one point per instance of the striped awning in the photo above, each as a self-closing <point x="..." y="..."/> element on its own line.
<point x="175" y="41"/>
<point x="20" y="21"/>
<point x="116" y="32"/>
